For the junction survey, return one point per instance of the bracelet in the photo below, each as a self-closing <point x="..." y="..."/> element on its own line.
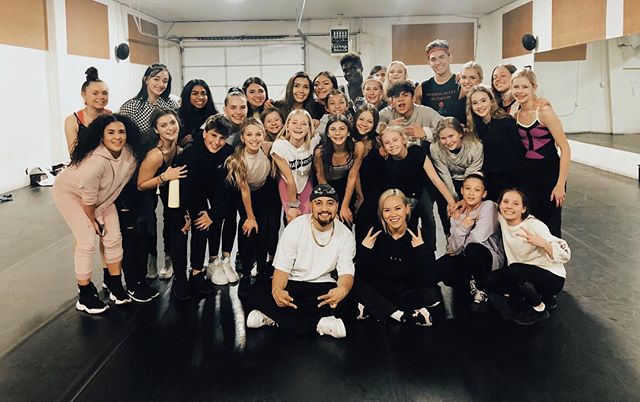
<point x="161" y="179"/>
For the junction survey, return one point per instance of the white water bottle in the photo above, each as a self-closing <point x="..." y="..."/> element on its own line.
<point x="174" y="193"/>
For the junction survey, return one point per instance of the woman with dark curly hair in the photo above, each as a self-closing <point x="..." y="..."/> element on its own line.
<point x="102" y="162"/>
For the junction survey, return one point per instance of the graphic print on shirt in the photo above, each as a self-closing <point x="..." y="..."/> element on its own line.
<point x="537" y="140"/>
<point x="300" y="163"/>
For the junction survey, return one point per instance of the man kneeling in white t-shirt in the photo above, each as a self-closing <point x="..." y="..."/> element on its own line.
<point x="305" y="296"/>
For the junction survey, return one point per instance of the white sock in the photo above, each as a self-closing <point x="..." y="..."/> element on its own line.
<point x="397" y="315"/>
<point x="539" y="308"/>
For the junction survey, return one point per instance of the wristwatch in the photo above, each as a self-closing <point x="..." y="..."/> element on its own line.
<point x="295" y="204"/>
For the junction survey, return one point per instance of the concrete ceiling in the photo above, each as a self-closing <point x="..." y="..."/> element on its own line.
<point x="243" y="10"/>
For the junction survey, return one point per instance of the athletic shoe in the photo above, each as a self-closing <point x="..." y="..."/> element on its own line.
<point x="89" y="301"/>
<point x="480" y="301"/>
<point x="331" y="326"/>
<point x="420" y="317"/>
<point x="180" y="289"/>
<point x="216" y="273"/>
<point x="551" y="302"/>
<point x="200" y="284"/>
<point x="166" y="272"/>
<point x="257" y="319"/>
<point x="117" y="294"/>
<point x="229" y="272"/>
<point x="142" y="293"/>
<point x="152" y="267"/>
<point x="530" y="316"/>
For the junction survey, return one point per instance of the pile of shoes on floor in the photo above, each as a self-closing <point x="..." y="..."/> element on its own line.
<point x="43" y="177"/>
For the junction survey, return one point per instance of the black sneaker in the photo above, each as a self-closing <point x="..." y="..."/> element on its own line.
<point x="530" y="316"/>
<point x="420" y="317"/>
<point x="142" y="293"/>
<point x="551" y="302"/>
<point x="89" y="301"/>
<point x="180" y="289"/>
<point x="117" y="294"/>
<point x="201" y="285"/>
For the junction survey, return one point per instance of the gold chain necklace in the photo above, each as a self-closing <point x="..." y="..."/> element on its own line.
<point x="313" y="234"/>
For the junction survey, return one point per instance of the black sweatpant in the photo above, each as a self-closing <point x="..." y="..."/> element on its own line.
<point x="255" y="247"/>
<point x="496" y="183"/>
<point x="530" y="282"/>
<point x="305" y="318"/>
<point x="539" y="177"/>
<point x="133" y="227"/>
<point x="456" y="270"/>
<point x="151" y="203"/>
<point x="442" y="206"/>
<point x="381" y="305"/>
<point x="423" y="208"/>
<point x="178" y="244"/>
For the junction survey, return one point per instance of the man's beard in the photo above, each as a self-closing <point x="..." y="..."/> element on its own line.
<point x="324" y="222"/>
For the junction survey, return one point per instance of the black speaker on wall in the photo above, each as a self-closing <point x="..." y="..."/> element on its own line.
<point x="529" y="41"/>
<point x="122" y="51"/>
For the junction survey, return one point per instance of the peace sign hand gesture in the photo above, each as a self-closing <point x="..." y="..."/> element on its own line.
<point x="416" y="240"/>
<point x="370" y="239"/>
<point x="533" y="238"/>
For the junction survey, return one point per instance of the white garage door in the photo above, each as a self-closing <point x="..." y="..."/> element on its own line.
<point x="227" y="64"/>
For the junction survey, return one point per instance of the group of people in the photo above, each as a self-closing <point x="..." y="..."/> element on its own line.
<point x="352" y="173"/>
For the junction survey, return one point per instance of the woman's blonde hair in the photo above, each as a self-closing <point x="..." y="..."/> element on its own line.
<point x="284" y="134"/>
<point x="453" y="123"/>
<point x="236" y="167"/>
<point x="392" y="192"/>
<point x="474" y="66"/>
<point x="496" y="111"/>
<point x="386" y="84"/>
<point x="526" y="73"/>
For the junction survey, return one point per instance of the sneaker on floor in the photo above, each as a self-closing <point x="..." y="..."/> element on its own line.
<point x="420" y="317"/>
<point x="257" y="319"/>
<point x="530" y="316"/>
<point x="229" y="272"/>
<point x="142" y="293"/>
<point x="216" y="273"/>
<point x="117" y="294"/>
<point x="480" y="301"/>
<point x="89" y="301"/>
<point x="152" y="267"/>
<point x="166" y="272"/>
<point x="200" y="284"/>
<point x="180" y="289"/>
<point x="331" y="326"/>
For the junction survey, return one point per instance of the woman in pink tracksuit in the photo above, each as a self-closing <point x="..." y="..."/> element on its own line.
<point x="102" y="162"/>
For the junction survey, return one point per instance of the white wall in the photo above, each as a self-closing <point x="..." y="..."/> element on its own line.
<point x="42" y="87"/>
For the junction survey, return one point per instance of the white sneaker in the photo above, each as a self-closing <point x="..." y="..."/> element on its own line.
<point x="331" y="326"/>
<point x="425" y="320"/>
<point x="166" y="272"/>
<point x="257" y="319"/>
<point x="480" y="297"/>
<point x="231" y="274"/>
<point x="216" y="273"/>
<point x="152" y="267"/>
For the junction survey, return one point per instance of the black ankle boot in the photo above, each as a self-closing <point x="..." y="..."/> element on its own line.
<point x="89" y="301"/>
<point x="117" y="294"/>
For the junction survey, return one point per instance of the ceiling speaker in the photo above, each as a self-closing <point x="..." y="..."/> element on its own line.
<point x="529" y="41"/>
<point x="122" y="51"/>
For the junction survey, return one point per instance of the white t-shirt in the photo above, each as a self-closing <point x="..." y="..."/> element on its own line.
<point x="305" y="261"/>
<point x="300" y="159"/>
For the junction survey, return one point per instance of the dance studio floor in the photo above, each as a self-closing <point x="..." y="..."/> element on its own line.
<point x="200" y="351"/>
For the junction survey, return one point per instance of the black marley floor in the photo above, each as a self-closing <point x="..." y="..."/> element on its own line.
<point x="200" y="351"/>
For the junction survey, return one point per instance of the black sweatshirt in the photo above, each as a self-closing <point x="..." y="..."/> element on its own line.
<point x="395" y="266"/>
<point x="503" y="150"/>
<point x="205" y="182"/>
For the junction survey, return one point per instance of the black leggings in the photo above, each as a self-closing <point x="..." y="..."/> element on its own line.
<point x="456" y="270"/>
<point x="305" y="318"/>
<point x="151" y="203"/>
<point x="225" y="228"/>
<point x="423" y="208"/>
<point x="381" y="306"/>
<point x="530" y="282"/>
<point x="255" y="247"/>
<point x="178" y="243"/>
<point x="539" y="177"/>
<point x="496" y="183"/>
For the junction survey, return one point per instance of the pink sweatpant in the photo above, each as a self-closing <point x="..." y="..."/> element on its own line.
<point x="70" y="207"/>
<point x="303" y="197"/>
